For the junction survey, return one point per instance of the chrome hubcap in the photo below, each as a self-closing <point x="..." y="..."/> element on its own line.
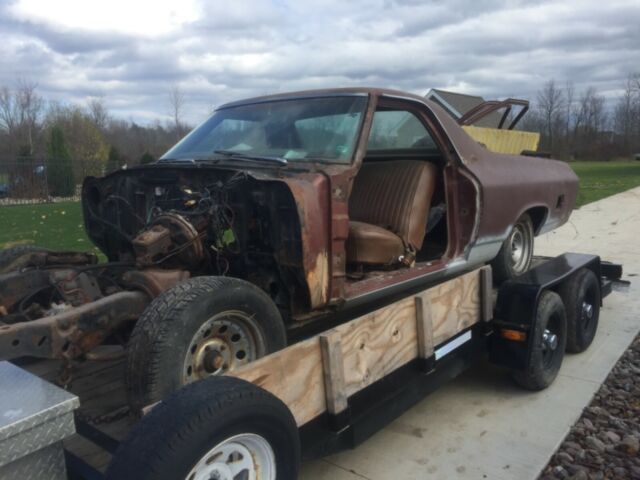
<point x="587" y="310"/>
<point x="520" y="249"/>
<point x="245" y="456"/>
<point x="224" y="342"/>
<point x="549" y="340"/>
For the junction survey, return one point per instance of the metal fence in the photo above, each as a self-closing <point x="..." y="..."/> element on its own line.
<point x="32" y="180"/>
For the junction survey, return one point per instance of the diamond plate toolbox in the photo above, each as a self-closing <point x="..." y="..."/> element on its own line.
<point x="35" y="416"/>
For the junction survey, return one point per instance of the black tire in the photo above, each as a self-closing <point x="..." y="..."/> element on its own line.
<point x="545" y="360"/>
<point x="182" y="430"/>
<point x="581" y="296"/>
<point x="167" y="335"/>
<point x="11" y="254"/>
<point x="504" y="266"/>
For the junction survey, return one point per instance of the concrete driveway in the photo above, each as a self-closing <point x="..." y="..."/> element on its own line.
<point x="481" y="425"/>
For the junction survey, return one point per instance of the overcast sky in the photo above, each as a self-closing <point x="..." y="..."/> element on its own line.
<point x="131" y="52"/>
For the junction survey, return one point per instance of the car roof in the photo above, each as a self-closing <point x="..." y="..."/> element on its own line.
<point x="328" y="92"/>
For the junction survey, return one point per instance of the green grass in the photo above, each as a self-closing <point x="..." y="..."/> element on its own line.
<point x="57" y="226"/>
<point x="602" y="179"/>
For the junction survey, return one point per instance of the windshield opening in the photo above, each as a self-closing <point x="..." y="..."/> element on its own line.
<point x="323" y="129"/>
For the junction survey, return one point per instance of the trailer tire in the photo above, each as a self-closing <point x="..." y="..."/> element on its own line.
<point x="549" y="344"/>
<point x="201" y="327"/>
<point x="581" y="296"/>
<point x="516" y="253"/>
<point x="200" y="425"/>
<point x="11" y="254"/>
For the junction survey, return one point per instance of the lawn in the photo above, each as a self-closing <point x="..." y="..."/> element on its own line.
<point x="59" y="225"/>
<point x="602" y="179"/>
<point x="52" y="225"/>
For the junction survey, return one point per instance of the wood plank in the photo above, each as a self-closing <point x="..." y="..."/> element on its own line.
<point x="424" y="327"/>
<point x="294" y="375"/>
<point x="486" y="293"/>
<point x="378" y="343"/>
<point x="455" y="305"/>
<point x="373" y="346"/>
<point x="333" y="368"/>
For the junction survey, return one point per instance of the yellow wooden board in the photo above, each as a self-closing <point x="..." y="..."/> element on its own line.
<point x="504" y="141"/>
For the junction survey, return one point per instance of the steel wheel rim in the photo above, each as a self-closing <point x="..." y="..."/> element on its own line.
<point x="520" y="249"/>
<point x="248" y="456"/>
<point x="588" y="310"/>
<point x="550" y="341"/>
<point x="224" y="342"/>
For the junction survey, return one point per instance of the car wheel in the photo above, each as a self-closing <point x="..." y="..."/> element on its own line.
<point x="550" y="331"/>
<point x="9" y="255"/>
<point x="581" y="296"/>
<point x="203" y="327"/>
<point x="514" y="258"/>
<point x="222" y="427"/>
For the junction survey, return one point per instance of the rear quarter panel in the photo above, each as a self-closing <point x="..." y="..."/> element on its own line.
<point x="510" y="185"/>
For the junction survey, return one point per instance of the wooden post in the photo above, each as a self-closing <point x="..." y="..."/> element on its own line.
<point x="486" y="294"/>
<point x="333" y="372"/>
<point x="425" y="327"/>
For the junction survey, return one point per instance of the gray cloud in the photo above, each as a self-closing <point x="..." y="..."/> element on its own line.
<point x="252" y="47"/>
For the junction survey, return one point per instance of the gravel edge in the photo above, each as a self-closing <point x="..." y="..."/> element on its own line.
<point x="605" y="442"/>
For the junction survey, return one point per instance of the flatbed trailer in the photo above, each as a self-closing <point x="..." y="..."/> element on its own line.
<point x="334" y="389"/>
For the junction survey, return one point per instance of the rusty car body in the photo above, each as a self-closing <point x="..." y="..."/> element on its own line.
<point x="281" y="223"/>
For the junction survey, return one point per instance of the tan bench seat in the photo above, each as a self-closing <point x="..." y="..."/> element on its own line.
<point x="388" y="210"/>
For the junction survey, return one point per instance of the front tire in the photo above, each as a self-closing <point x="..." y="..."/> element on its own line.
<point x="202" y="327"/>
<point x="221" y="427"/>
<point x="550" y="340"/>
<point x="516" y="253"/>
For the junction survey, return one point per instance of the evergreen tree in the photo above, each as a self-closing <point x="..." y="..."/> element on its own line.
<point x="146" y="158"/>
<point x="114" y="160"/>
<point x="59" y="166"/>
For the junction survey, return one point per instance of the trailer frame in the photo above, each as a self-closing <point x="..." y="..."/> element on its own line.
<point x="414" y="357"/>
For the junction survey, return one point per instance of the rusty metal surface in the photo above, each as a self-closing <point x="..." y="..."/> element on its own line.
<point x="47" y="259"/>
<point x="72" y="332"/>
<point x="486" y="108"/>
<point x="154" y="281"/>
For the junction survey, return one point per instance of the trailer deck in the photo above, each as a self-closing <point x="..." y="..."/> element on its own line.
<point x="343" y="384"/>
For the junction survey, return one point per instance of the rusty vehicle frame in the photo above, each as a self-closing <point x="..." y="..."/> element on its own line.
<point x="301" y="259"/>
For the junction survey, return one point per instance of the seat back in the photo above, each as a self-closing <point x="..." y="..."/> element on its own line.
<point x="395" y="195"/>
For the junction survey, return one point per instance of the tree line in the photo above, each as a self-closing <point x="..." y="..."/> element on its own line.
<point x="80" y="140"/>
<point x="69" y="141"/>
<point x="583" y="125"/>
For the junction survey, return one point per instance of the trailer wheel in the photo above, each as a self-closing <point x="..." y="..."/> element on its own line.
<point x="220" y="428"/>
<point x="11" y="254"/>
<point x="202" y="327"/>
<point x="514" y="257"/>
<point x="581" y="296"/>
<point x="550" y="332"/>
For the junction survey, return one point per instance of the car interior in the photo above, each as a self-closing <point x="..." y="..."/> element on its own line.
<point x="397" y="210"/>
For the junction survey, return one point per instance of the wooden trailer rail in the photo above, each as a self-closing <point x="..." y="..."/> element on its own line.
<point x="319" y="374"/>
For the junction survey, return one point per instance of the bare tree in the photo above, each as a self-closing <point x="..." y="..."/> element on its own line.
<point x="550" y="104"/>
<point x="592" y="114"/>
<point x="30" y="109"/>
<point x="176" y="104"/>
<point x="626" y="115"/>
<point x="98" y="112"/>
<point x="569" y="92"/>
<point x="8" y="115"/>
<point x="20" y="115"/>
